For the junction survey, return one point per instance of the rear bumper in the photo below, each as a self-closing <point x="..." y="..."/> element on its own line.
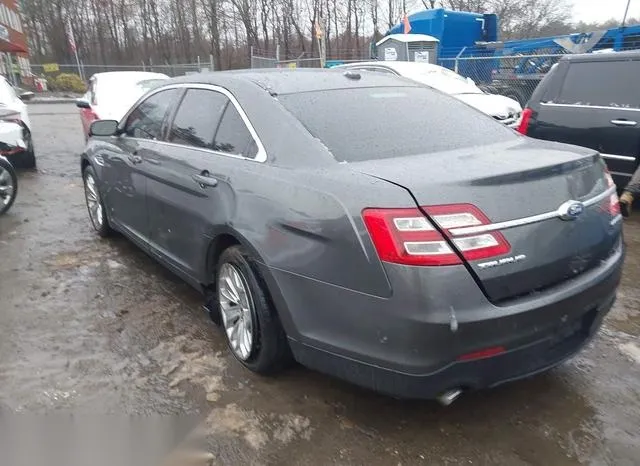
<point x="409" y="345"/>
<point x="489" y="372"/>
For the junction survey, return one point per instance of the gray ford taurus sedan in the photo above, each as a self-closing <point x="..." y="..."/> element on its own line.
<point x="363" y="225"/>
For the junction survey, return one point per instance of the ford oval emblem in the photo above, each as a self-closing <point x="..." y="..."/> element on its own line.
<point x="570" y="210"/>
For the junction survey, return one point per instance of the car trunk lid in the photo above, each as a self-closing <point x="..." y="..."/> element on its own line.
<point x="523" y="187"/>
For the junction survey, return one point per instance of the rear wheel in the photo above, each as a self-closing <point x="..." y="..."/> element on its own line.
<point x="8" y="185"/>
<point x="95" y="206"/>
<point x="252" y="328"/>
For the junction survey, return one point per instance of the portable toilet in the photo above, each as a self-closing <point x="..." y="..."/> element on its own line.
<point x="408" y="47"/>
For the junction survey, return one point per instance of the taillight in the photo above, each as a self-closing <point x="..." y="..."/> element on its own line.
<point x="613" y="203"/>
<point x="406" y="236"/>
<point x="91" y="115"/>
<point x="525" y="119"/>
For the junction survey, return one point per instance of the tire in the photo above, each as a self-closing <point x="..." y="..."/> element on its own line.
<point x="29" y="158"/>
<point x="8" y="185"/>
<point x="95" y="206"/>
<point x="268" y="351"/>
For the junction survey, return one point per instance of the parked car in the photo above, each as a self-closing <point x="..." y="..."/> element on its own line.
<point x="322" y="219"/>
<point x="503" y="109"/>
<point x="591" y="100"/>
<point x="15" y="125"/>
<point x="111" y="94"/>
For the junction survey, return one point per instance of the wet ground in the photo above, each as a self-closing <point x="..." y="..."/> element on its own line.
<point x="95" y="326"/>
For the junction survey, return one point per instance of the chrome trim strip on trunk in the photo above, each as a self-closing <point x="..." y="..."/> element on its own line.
<point x="527" y="220"/>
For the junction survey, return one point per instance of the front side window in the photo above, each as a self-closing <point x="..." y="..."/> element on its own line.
<point x="147" y="118"/>
<point x="602" y="84"/>
<point x="197" y="118"/>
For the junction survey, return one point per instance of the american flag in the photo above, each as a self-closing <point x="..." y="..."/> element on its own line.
<point x="406" y="24"/>
<point x="70" y="38"/>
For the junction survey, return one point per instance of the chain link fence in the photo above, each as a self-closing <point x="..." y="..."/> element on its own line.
<point x="294" y="60"/>
<point x="514" y="76"/>
<point x="48" y="77"/>
<point x="86" y="71"/>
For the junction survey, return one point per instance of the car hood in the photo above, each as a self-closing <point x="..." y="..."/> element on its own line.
<point x="497" y="106"/>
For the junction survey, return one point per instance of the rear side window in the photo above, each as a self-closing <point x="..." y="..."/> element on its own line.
<point x="197" y="118"/>
<point x="602" y="84"/>
<point x="146" y="120"/>
<point x="233" y="136"/>
<point x="386" y="122"/>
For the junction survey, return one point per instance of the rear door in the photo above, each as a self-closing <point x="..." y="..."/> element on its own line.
<point x="597" y="105"/>
<point x="190" y="179"/>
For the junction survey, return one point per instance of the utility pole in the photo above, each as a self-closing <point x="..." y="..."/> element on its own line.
<point x="626" y="12"/>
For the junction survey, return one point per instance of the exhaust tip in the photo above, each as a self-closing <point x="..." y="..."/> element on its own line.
<point x="449" y="396"/>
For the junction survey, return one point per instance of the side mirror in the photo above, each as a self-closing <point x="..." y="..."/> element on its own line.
<point x="81" y="103"/>
<point x="103" y="128"/>
<point x="26" y="95"/>
<point x="471" y="82"/>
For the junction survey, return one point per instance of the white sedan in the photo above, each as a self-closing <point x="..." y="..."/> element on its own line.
<point x="111" y="94"/>
<point x="503" y="109"/>
<point x="15" y="126"/>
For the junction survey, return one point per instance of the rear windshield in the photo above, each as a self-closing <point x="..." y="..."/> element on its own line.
<point x="386" y="122"/>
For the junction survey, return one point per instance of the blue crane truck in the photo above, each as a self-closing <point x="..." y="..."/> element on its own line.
<point x="469" y="45"/>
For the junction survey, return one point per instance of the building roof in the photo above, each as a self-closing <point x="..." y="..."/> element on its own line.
<point x="408" y="38"/>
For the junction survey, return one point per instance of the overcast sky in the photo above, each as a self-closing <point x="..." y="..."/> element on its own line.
<point x="591" y="11"/>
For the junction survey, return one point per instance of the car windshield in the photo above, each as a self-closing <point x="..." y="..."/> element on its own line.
<point x="385" y="122"/>
<point x="444" y="80"/>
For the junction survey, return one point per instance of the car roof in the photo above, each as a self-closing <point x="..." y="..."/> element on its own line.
<point x="127" y="75"/>
<point x="279" y="81"/>
<point x="601" y="57"/>
<point x="394" y="65"/>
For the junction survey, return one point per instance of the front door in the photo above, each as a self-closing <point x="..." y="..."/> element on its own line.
<point x="126" y="168"/>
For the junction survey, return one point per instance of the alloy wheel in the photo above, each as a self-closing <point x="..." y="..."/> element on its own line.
<point x="236" y="305"/>
<point x="93" y="201"/>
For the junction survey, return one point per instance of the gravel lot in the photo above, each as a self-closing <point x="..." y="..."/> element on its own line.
<point x="95" y="326"/>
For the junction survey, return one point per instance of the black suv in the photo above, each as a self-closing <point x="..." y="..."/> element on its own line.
<point x="591" y="100"/>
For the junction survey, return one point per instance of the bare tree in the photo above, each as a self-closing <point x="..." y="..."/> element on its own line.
<point x="179" y="31"/>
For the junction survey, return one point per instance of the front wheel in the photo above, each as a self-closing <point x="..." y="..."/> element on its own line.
<point x="8" y="185"/>
<point x="95" y="206"/>
<point x="251" y="325"/>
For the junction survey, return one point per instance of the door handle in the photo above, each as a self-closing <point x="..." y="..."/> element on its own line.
<point x="205" y="180"/>
<point x="135" y="159"/>
<point x="624" y="122"/>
